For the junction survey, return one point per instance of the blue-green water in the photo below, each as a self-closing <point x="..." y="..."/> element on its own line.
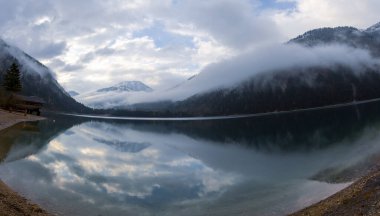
<point x="270" y="165"/>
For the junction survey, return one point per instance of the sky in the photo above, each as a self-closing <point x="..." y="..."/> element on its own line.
<point x="91" y="44"/>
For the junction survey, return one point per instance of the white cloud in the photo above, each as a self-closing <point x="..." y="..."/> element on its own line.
<point x="234" y="23"/>
<point x="242" y="67"/>
<point x="96" y="40"/>
<point x="95" y="43"/>
<point x="310" y="14"/>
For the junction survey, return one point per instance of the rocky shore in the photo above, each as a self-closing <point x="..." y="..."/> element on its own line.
<point x="360" y="198"/>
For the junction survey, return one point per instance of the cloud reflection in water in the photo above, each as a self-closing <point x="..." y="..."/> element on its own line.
<point x="121" y="168"/>
<point x="134" y="174"/>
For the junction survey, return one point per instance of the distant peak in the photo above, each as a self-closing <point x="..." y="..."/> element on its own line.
<point x="129" y="86"/>
<point x="133" y="82"/>
<point x="335" y="29"/>
<point x="375" y="27"/>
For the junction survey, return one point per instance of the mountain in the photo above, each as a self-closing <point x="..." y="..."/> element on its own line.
<point x="113" y="96"/>
<point x="368" y="39"/>
<point x="38" y="80"/>
<point x="291" y="89"/>
<point x="375" y="28"/>
<point x="299" y="87"/>
<point x="73" y="93"/>
<point x="127" y="86"/>
<point x="124" y="146"/>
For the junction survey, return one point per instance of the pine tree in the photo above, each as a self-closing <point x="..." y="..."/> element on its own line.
<point x="12" y="80"/>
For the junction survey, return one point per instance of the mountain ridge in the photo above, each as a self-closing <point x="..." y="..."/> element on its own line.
<point x="367" y="39"/>
<point x="332" y="84"/>
<point x="290" y="88"/>
<point x="38" y="80"/>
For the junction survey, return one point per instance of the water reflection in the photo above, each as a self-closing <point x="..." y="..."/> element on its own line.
<point x="259" y="166"/>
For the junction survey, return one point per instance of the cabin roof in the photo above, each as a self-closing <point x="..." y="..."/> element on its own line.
<point x="33" y="99"/>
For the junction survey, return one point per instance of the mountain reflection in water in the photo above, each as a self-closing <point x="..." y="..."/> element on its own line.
<point x="269" y="165"/>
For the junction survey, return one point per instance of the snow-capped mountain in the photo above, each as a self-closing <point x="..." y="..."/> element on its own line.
<point x="127" y="86"/>
<point x="113" y="96"/>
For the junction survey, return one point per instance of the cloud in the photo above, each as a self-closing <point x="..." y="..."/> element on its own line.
<point x="56" y="63"/>
<point x="234" y="70"/>
<point x="175" y="172"/>
<point x="108" y="37"/>
<point x="234" y="23"/>
<point x="130" y="176"/>
<point x="70" y="68"/>
<point x="310" y="14"/>
<point x="50" y="50"/>
<point x="114" y="40"/>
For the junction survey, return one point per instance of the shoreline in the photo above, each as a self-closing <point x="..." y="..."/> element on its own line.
<point x="225" y="117"/>
<point x="12" y="203"/>
<point x="360" y="198"/>
<point x="10" y="119"/>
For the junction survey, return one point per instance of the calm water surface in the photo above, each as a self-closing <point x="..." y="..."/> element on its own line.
<point x="270" y="165"/>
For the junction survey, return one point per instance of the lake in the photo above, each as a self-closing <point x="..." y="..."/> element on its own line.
<point x="270" y="165"/>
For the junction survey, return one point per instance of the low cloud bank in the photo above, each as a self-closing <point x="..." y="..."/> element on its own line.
<point x="27" y="63"/>
<point x="237" y="69"/>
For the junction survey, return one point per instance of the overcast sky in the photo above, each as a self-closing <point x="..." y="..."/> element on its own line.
<point x="91" y="44"/>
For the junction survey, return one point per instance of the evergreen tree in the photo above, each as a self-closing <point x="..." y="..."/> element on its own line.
<point x="12" y="80"/>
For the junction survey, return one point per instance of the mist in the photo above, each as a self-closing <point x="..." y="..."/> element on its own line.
<point x="230" y="72"/>
<point x="27" y="64"/>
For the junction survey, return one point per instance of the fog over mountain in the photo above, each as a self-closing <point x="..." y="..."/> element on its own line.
<point x="298" y="64"/>
<point x="96" y="44"/>
<point x="354" y="49"/>
<point x="37" y="80"/>
<point x="108" y="97"/>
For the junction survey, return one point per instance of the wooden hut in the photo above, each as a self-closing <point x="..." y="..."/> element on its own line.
<point x="27" y="104"/>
